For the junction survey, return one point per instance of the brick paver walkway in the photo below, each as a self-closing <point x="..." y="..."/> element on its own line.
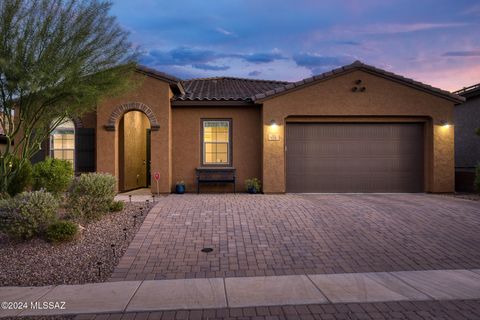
<point x="417" y="310"/>
<point x="256" y="235"/>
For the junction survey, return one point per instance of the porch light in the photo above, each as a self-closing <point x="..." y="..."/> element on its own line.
<point x="444" y="123"/>
<point x="273" y="124"/>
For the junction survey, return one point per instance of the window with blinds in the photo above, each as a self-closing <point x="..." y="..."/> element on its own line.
<point x="216" y="142"/>
<point x="62" y="142"/>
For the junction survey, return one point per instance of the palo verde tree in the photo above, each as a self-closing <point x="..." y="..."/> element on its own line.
<point x="58" y="58"/>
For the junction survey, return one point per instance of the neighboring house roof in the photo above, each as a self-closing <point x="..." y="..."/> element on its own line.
<point x="469" y="92"/>
<point x="357" y="65"/>
<point x="225" y="89"/>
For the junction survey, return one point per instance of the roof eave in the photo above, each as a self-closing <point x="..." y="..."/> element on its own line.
<point x="205" y="102"/>
<point x="174" y="82"/>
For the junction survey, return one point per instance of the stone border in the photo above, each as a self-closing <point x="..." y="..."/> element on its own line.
<point x="210" y="293"/>
<point x="131" y="106"/>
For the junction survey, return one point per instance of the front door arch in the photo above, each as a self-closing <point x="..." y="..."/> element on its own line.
<point x="119" y="111"/>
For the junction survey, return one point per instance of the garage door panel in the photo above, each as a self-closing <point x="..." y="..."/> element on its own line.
<point x="354" y="157"/>
<point x="352" y="148"/>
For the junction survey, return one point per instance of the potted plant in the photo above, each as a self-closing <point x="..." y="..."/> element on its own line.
<point x="180" y="187"/>
<point x="253" y="185"/>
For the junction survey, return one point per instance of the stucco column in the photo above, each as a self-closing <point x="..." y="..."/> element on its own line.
<point x="273" y="154"/>
<point x="443" y="157"/>
<point x="107" y="152"/>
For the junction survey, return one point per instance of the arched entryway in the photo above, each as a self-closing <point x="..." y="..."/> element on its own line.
<point x="134" y="150"/>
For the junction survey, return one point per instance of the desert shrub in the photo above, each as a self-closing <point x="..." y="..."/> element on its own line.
<point x="22" y="179"/>
<point x="117" y="206"/>
<point x="4" y="196"/>
<point x="28" y="214"/>
<point x="53" y="175"/>
<point x="477" y="178"/>
<point x="90" y="196"/>
<point x="61" y="231"/>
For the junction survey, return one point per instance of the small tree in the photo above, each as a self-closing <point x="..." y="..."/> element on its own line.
<point x="58" y="58"/>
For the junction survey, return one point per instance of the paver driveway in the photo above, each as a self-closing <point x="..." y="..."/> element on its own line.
<point x="256" y="235"/>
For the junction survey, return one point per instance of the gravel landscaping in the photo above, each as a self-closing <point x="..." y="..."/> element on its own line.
<point x="468" y="196"/>
<point x="91" y="258"/>
<point x="465" y="195"/>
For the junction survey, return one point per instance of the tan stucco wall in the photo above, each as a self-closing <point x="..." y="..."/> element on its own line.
<point x="133" y="150"/>
<point x="156" y="95"/>
<point x="246" y="126"/>
<point x="382" y="97"/>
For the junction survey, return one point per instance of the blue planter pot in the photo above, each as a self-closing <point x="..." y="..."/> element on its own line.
<point x="252" y="190"/>
<point x="180" y="189"/>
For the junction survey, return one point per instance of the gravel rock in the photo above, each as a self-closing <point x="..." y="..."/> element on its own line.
<point x="466" y="196"/>
<point x="90" y="258"/>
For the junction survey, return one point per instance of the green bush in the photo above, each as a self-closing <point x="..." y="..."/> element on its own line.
<point x="117" y="206"/>
<point x="90" y="196"/>
<point x="28" y="214"/>
<point x="53" y="175"/>
<point x="477" y="178"/>
<point x="62" y="231"/>
<point x="253" y="185"/>
<point x="22" y="179"/>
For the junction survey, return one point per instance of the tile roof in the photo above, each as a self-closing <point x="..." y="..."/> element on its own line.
<point x="361" y="66"/>
<point x="225" y="89"/>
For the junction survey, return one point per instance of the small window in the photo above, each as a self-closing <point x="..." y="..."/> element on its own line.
<point x="216" y="142"/>
<point x="62" y="142"/>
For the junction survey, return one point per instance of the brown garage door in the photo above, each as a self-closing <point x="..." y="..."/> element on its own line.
<point x="354" y="157"/>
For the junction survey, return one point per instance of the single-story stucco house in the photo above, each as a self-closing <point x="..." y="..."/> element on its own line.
<point x="353" y="129"/>
<point x="467" y="142"/>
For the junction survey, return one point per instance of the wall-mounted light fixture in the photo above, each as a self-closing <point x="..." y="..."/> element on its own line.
<point x="444" y="123"/>
<point x="273" y="134"/>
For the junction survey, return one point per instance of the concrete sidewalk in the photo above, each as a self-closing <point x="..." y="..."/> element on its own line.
<point x="184" y="294"/>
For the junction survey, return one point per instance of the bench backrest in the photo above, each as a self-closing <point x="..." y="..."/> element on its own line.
<point x="215" y="175"/>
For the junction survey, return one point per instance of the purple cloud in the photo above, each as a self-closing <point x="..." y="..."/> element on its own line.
<point x="204" y="66"/>
<point x="471" y="53"/>
<point x="318" y="63"/>
<point x="425" y="40"/>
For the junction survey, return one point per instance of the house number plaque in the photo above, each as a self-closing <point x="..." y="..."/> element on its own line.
<point x="273" y="137"/>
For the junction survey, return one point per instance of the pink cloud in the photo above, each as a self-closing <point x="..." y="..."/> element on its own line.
<point x="449" y="78"/>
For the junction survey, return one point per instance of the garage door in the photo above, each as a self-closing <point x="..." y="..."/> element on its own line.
<point x="354" y="157"/>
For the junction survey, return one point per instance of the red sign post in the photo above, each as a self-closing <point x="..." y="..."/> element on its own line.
<point x="156" y="176"/>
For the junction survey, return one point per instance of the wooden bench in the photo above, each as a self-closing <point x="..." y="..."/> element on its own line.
<point x="215" y="175"/>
